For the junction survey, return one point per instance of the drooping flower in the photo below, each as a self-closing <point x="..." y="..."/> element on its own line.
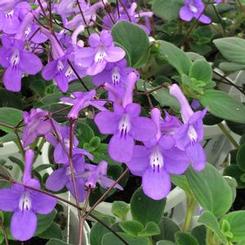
<point x="61" y="142"/>
<point x="127" y="13"/>
<point x="37" y="124"/>
<point x="62" y="177"/>
<point x="125" y="124"/>
<point x="101" y="51"/>
<point x="59" y="69"/>
<point x="81" y="100"/>
<point x="25" y="203"/>
<point x="190" y="134"/>
<point x="98" y="174"/>
<point x="193" y="9"/>
<point x="116" y="75"/>
<point x="17" y="62"/>
<point x="156" y="160"/>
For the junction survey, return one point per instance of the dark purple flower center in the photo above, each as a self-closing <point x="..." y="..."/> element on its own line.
<point x="25" y="202"/>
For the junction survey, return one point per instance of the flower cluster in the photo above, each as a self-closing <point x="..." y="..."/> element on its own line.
<point x="153" y="147"/>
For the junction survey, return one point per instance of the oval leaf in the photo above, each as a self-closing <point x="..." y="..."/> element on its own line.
<point x="222" y="105"/>
<point x="133" y="40"/>
<point x="208" y="188"/>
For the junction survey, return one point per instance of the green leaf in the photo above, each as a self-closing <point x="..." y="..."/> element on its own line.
<point x="44" y="222"/>
<point x="17" y="161"/>
<point x="120" y="209"/>
<point x="174" y="56"/>
<point x="110" y="238"/>
<point x="181" y="181"/>
<point x="56" y="242"/>
<point x="200" y="232"/>
<point x="131" y="227"/>
<point x="145" y="209"/>
<point x="98" y="231"/>
<point x="183" y="238"/>
<point x="208" y="187"/>
<point x="165" y="242"/>
<point x="133" y="40"/>
<point x="236" y="221"/>
<point x="232" y="48"/>
<point x="235" y="172"/>
<point x="84" y="133"/>
<point x="151" y="229"/>
<point x="201" y="70"/>
<point x="1" y="237"/>
<point x="9" y="116"/>
<point x="240" y="158"/>
<point x="222" y="105"/>
<point x="208" y="219"/>
<point x="54" y="231"/>
<point x="167" y="10"/>
<point x="168" y="229"/>
<point x="161" y="95"/>
<point x="231" y="67"/>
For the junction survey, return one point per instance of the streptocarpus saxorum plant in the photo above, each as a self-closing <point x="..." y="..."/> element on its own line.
<point x="120" y="92"/>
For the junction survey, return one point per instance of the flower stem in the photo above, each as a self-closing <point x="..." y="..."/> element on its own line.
<point x="191" y="205"/>
<point x="228" y="135"/>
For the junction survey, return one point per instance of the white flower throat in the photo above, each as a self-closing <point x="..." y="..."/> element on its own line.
<point x="124" y="125"/>
<point x="115" y="77"/>
<point x="156" y="160"/>
<point x="192" y="133"/>
<point x="15" y="58"/>
<point x="100" y="55"/>
<point x="25" y="202"/>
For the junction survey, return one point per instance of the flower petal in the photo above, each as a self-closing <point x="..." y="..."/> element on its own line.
<point x="114" y="54"/>
<point x="156" y="184"/>
<point x="139" y="161"/>
<point x="30" y="63"/>
<point x="121" y="148"/>
<point x="23" y="225"/>
<point x="197" y="156"/>
<point x="41" y="203"/>
<point x="50" y="70"/>
<point x="185" y="14"/>
<point x="175" y="160"/>
<point x="9" y="198"/>
<point x="12" y="79"/>
<point x="143" y="129"/>
<point x="107" y="122"/>
<point x="57" y="180"/>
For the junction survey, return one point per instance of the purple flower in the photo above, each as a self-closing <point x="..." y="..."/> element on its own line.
<point x="156" y="160"/>
<point x="36" y="124"/>
<point x="25" y="203"/>
<point x="61" y="142"/>
<point x="100" y="52"/>
<point x="11" y="15"/>
<point x="59" y="69"/>
<point x="190" y="134"/>
<point x="126" y="125"/>
<point x="194" y="9"/>
<point x="97" y="174"/>
<point x="116" y="75"/>
<point x="81" y="100"/>
<point x="131" y="16"/>
<point x="17" y="62"/>
<point x="62" y="177"/>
